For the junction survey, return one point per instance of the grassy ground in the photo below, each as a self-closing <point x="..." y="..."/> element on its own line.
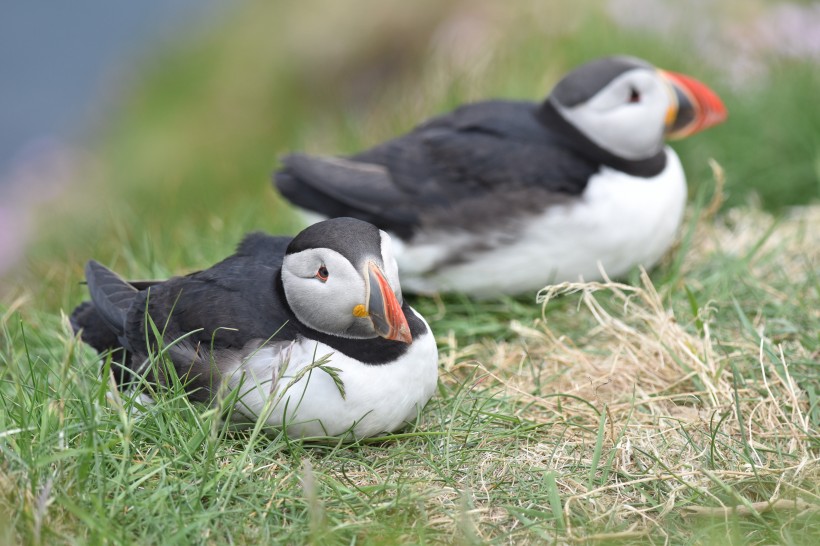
<point x="681" y="406"/>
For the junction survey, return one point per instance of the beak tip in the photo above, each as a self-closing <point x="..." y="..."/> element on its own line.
<point x="405" y="336"/>
<point x="708" y="108"/>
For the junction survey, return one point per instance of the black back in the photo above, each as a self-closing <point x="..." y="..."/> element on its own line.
<point x="456" y="170"/>
<point x="229" y="303"/>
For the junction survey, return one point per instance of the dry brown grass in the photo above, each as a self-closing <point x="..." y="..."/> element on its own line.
<point x="689" y="414"/>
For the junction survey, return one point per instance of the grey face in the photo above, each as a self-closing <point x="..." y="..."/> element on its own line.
<point x="326" y="304"/>
<point x="619" y="103"/>
<point x="334" y="294"/>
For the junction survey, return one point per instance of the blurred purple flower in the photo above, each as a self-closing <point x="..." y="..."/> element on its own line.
<point x="739" y="40"/>
<point x="790" y="30"/>
<point x="39" y="174"/>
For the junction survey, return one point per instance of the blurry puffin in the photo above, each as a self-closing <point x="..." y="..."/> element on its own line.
<point x="504" y="197"/>
<point x="268" y="311"/>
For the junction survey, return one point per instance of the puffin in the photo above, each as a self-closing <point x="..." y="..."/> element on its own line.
<point x="310" y="333"/>
<point x="504" y="197"/>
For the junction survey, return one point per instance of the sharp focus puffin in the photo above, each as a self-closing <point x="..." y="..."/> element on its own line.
<point x="504" y="197"/>
<point x="267" y="312"/>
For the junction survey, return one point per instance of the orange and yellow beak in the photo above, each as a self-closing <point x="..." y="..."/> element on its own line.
<point x="694" y="106"/>
<point x="383" y="308"/>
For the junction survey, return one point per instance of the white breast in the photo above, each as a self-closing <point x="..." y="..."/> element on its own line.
<point x="378" y="398"/>
<point x="620" y="221"/>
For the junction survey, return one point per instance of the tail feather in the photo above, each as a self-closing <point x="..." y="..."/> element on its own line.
<point x="112" y="296"/>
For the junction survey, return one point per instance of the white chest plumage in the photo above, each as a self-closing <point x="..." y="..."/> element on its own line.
<point x="620" y="221"/>
<point x="378" y="398"/>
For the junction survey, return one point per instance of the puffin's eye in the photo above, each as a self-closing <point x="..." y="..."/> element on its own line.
<point x="322" y="274"/>
<point x="634" y="96"/>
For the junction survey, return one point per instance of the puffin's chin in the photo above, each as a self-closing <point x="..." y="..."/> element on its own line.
<point x="361" y="328"/>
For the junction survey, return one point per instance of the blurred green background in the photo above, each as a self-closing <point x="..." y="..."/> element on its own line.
<point x="181" y="166"/>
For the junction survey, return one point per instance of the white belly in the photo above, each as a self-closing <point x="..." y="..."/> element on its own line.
<point x="620" y="222"/>
<point x="378" y="398"/>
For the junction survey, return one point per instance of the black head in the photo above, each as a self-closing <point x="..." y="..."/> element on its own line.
<point x="587" y="80"/>
<point x="354" y="239"/>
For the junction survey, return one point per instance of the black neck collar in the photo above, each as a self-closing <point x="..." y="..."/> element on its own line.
<point x="373" y="351"/>
<point x="645" y="168"/>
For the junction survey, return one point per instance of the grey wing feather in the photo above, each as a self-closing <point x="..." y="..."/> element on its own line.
<point x="341" y="187"/>
<point x="358" y="180"/>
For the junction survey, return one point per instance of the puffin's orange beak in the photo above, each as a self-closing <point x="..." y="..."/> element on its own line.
<point x="694" y="107"/>
<point x="384" y="309"/>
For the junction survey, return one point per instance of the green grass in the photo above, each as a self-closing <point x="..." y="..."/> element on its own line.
<point x="609" y="415"/>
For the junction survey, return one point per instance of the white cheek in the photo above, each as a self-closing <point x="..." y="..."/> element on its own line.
<point x="343" y="287"/>
<point x="325" y="306"/>
<point x="290" y="281"/>
<point x="631" y="131"/>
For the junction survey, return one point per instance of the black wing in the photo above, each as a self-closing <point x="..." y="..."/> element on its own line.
<point x="229" y="304"/>
<point x="231" y="308"/>
<point x="226" y="306"/>
<point x="495" y="153"/>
